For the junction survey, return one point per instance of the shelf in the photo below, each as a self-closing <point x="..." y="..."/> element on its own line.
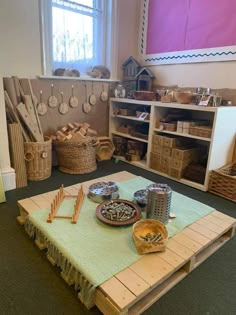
<point x="218" y="147"/>
<point x="141" y="163"/>
<point x="167" y="105"/>
<point x="131" y="118"/>
<point x="125" y="135"/>
<point x="186" y="135"/>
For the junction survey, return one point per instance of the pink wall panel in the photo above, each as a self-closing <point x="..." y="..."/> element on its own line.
<point x="190" y="24"/>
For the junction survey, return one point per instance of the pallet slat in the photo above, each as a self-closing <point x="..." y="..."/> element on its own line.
<point x="132" y="281"/>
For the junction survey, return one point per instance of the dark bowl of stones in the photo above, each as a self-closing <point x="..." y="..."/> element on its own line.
<point x="118" y="212"/>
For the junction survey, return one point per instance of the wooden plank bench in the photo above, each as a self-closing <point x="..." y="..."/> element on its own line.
<point x="137" y="287"/>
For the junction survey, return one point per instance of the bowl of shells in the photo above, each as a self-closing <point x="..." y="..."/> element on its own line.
<point x="150" y="236"/>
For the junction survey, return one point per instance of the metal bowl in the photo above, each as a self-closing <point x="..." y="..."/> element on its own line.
<point x="103" y="191"/>
<point x="140" y="197"/>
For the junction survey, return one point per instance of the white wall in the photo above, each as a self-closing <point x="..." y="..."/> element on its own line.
<point x="216" y="75"/>
<point x="20" y="52"/>
<point x="128" y="23"/>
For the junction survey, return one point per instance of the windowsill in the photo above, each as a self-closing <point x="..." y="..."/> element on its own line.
<point x="82" y="78"/>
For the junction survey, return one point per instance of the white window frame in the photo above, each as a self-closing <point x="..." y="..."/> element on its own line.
<point x="110" y="37"/>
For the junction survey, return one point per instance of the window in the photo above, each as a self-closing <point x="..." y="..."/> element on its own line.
<point x="76" y="34"/>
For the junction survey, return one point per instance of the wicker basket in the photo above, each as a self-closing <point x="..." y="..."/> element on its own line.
<point x="38" y="157"/>
<point x="183" y="97"/>
<point x="223" y="182"/>
<point x="76" y="157"/>
<point x="144" y="95"/>
<point x="200" y="131"/>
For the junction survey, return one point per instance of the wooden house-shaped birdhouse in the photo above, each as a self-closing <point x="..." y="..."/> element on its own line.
<point x="130" y="70"/>
<point x="144" y="80"/>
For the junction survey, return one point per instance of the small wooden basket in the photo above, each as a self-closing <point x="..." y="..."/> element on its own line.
<point x="140" y="231"/>
<point x="183" y="97"/>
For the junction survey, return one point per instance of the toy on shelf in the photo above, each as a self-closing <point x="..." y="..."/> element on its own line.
<point x="55" y="205"/>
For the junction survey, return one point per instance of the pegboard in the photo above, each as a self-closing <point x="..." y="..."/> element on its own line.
<point x="53" y="119"/>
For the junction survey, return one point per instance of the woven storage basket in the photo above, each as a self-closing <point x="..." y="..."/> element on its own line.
<point x="76" y="157"/>
<point x="183" y="97"/>
<point x="223" y="181"/>
<point x="38" y="157"/>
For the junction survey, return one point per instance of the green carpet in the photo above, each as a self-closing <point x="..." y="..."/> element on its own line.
<point x="31" y="285"/>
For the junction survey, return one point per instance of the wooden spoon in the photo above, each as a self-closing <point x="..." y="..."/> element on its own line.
<point x="52" y="101"/>
<point x="63" y="107"/>
<point x="74" y="102"/>
<point x="41" y="107"/>
<point x="104" y="95"/>
<point x="92" y="97"/>
<point x="86" y="105"/>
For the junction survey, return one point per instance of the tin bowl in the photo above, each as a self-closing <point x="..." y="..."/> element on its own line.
<point x="140" y="197"/>
<point x="103" y="191"/>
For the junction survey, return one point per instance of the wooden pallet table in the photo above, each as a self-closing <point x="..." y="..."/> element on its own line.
<point x="137" y="287"/>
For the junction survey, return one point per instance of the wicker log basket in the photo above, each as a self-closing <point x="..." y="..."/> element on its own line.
<point x="38" y="157"/>
<point x="76" y="157"/>
<point x="222" y="181"/>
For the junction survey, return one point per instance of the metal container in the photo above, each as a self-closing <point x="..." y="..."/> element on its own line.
<point x="103" y="191"/>
<point x="159" y="202"/>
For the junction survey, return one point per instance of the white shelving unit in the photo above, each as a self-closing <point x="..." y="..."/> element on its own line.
<point x="219" y="146"/>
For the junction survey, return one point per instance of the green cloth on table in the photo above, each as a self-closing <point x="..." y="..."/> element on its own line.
<point x="98" y="251"/>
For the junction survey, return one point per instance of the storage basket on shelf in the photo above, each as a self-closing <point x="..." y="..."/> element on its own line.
<point x="38" y="157"/>
<point x="201" y="131"/>
<point x="75" y="157"/>
<point x="222" y="181"/>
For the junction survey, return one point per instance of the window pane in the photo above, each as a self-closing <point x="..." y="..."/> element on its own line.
<point x="77" y="34"/>
<point x="88" y="3"/>
<point x="72" y="36"/>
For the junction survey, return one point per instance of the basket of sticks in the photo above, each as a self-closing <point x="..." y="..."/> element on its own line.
<point x="76" y="157"/>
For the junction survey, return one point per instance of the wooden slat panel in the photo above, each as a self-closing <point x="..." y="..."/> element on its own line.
<point x="218" y="221"/>
<point x="179" y="249"/>
<point x="196" y="236"/>
<point x="152" y="268"/>
<point x="71" y="191"/>
<point x="132" y="281"/>
<point x="172" y="258"/>
<point x="117" y="292"/>
<point x="50" y="195"/>
<point x="223" y="217"/>
<point x="41" y="202"/>
<point x="211" y="226"/>
<point x="117" y="177"/>
<point x="28" y="205"/>
<point x="203" y="230"/>
<point x="16" y="144"/>
<point x="188" y="242"/>
<point x="105" y="305"/>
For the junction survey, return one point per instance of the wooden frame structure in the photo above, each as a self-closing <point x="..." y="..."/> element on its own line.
<point x="55" y="205"/>
<point x="137" y="287"/>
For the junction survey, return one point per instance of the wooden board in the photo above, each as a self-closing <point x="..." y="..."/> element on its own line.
<point x="137" y="287"/>
<point x="17" y="154"/>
